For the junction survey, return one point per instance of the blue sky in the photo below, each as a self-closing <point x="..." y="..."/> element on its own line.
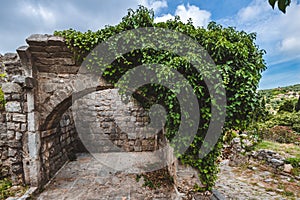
<point x="277" y="33"/>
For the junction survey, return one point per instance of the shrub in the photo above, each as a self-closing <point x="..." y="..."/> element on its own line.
<point x="287" y="105"/>
<point x="295" y="162"/>
<point x="297" y="107"/>
<point x="5" y="184"/>
<point x="229" y="135"/>
<point x="284" y="119"/>
<point x="281" y="134"/>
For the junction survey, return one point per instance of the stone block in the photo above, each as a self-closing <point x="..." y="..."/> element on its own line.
<point x="46" y="68"/>
<point x="17" y="127"/>
<point x="14" y="144"/>
<point x="32" y="121"/>
<point x="8" y="117"/>
<point x="7" y="97"/>
<point x="9" y="56"/>
<point x="30" y="83"/>
<point x="4" y="155"/>
<point x="19" y="136"/>
<point x="61" y="49"/>
<point x="56" y="41"/>
<point x="10" y="87"/>
<point x="18" y="79"/>
<point x="23" y="127"/>
<point x="287" y="168"/>
<point x="49" y="87"/>
<point x="23" y="54"/>
<point x="12" y="152"/>
<point x="15" y="97"/>
<point x="13" y="106"/>
<point x="277" y="162"/>
<point x="137" y="148"/>
<point x="10" y="125"/>
<point x="19" y="118"/>
<point x="10" y="134"/>
<point x="37" y="40"/>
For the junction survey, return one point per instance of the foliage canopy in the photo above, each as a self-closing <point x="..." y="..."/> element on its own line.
<point x="235" y="53"/>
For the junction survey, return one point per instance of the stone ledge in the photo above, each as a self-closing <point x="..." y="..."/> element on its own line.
<point x="44" y="40"/>
<point x="28" y="194"/>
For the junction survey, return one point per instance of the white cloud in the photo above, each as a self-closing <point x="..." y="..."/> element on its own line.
<point x="256" y="10"/>
<point x="277" y="33"/>
<point x="164" y="18"/>
<point x="39" y="12"/>
<point x="290" y="44"/>
<point x="155" y="5"/>
<point x="199" y="17"/>
<point x="26" y="17"/>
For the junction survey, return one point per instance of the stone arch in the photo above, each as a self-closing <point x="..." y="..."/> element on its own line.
<point x="40" y="91"/>
<point x="47" y="86"/>
<point x="61" y="106"/>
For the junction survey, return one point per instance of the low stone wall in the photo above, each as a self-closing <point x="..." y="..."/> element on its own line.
<point x="185" y="177"/>
<point x="271" y="158"/>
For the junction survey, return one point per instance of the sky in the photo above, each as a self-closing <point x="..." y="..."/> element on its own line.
<point x="277" y="33"/>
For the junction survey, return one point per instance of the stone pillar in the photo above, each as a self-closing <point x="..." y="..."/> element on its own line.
<point x="31" y="159"/>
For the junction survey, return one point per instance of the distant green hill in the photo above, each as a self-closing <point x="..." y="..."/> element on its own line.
<point x="280" y="90"/>
<point x="274" y="97"/>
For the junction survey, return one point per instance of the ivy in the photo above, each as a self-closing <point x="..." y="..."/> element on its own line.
<point x="235" y="53"/>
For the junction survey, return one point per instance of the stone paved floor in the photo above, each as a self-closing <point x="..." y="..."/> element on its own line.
<point x="88" y="179"/>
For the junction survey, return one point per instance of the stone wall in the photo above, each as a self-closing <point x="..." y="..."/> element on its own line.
<point x="107" y="124"/>
<point x="14" y="119"/>
<point x="52" y="134"/>
<point x="185" y="177"/>
<point x="4" y="164"/>
<point x="58" y="145"/>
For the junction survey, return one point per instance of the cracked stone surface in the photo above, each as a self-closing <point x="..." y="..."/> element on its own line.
<point x="256" y="183"/>
<point x="87" y="178"/>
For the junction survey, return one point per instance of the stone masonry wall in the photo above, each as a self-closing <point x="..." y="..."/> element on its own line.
<point x="107" y="124"/>
<point x="4" y="165"/>
<point x="4" y="169"/>
<point x="11" y="143"/>
<point x="58" y="145"/>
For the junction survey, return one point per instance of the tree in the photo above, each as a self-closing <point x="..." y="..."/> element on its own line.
<point x="238" y="59"/>
<point x="287" y="105"/>
<point x="282" y="4"/>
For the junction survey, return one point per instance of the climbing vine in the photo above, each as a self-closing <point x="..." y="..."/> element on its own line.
<point x="235" y="53"/>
